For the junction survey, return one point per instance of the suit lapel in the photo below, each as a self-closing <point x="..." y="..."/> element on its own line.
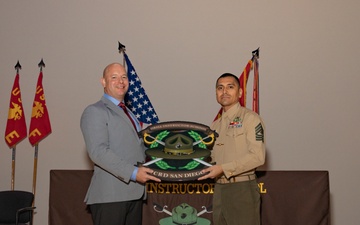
<point x="111" y="106"/>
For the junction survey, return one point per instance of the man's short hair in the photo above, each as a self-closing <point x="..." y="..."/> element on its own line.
<point x="229" y="75"/>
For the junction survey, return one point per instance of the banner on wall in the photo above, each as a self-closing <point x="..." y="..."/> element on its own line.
<point x="288" y="197"/>
<point x="179" y="203"/>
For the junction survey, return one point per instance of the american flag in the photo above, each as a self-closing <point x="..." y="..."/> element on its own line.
<point x="136" y="99"/>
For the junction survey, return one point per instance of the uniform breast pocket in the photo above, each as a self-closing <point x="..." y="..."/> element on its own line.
<point x="235" y="131"/>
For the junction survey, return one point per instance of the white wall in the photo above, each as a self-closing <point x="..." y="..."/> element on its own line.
<point x="309" y="77"/>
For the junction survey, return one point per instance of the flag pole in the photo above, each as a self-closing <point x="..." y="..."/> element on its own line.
<point x="13" y="154"/>
<point x="13" y="168"/>
<point x="35" y="169"/>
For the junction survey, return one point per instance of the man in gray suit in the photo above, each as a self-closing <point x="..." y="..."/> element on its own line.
<point x="117" y="188"/>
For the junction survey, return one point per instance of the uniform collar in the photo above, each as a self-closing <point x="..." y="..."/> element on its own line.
<point x="232" y="111"/>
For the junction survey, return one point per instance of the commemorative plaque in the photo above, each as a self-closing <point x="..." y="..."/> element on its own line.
<point x="178" y="150"/>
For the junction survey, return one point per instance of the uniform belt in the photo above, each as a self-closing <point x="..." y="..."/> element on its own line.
<point x="242" y="178"/>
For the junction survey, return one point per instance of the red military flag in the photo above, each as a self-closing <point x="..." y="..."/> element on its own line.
<point x="243" y="81"/>
<point x="16" y="125"/>
<point x="40" y="126"/>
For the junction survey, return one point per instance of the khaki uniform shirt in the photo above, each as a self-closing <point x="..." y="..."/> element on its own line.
<point x="240" y="147"/>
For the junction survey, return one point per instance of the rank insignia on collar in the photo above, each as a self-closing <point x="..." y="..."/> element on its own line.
<point x="259" y="132"/>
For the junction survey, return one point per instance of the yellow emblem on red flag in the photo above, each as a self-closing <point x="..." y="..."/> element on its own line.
<point x="16" y="126"/>
<point x="40" y="126"/>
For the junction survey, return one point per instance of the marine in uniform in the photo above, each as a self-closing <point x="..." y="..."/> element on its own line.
<point x="238" y="151"/>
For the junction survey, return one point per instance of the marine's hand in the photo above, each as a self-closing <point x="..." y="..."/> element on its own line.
<point x="212" y="172"/>
<point x="144" y="174"/>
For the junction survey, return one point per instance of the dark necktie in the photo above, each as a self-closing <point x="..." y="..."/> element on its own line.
<point x="122" y="105"/>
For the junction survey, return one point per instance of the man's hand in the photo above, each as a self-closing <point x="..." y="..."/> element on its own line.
<point x="213" y="172"/>
<point x="144" y="174"/>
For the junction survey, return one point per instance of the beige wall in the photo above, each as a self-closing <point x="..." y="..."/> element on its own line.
<point x="309" y="76"/>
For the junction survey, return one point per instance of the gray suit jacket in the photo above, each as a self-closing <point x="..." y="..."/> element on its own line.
<point x="114" y="147"/>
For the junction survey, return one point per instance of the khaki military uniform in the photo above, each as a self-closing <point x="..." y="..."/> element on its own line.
<point x="239" y="149"/>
